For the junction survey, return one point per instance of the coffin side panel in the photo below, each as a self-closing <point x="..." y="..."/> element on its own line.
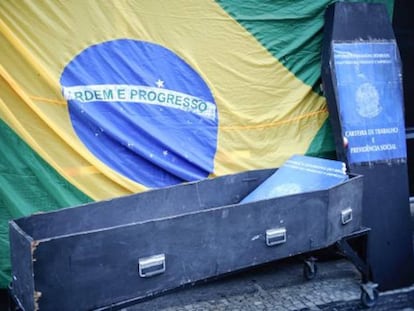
<point x="22" y="286"/>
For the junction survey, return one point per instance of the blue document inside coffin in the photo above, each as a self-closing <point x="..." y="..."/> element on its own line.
<point x="300" y="174"/>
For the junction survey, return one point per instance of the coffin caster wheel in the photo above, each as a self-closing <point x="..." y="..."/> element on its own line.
<point x="369" y="295"/>
<point x="310" y="269"/>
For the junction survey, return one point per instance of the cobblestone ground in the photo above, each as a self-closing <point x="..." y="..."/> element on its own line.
<point x="280" y="286"/>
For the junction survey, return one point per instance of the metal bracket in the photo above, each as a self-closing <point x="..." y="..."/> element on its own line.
<point x="370" y="289"/>
<point x="275" y="236"/>
<point x="357" y="257"/>
<point x="150" y="266"/>
<point x="346" y="215"/>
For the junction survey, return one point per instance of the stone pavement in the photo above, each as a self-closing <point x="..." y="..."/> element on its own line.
<point x="280" y="286"/>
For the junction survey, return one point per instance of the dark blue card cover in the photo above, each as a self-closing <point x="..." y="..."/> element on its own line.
<point x="300" y="174"/>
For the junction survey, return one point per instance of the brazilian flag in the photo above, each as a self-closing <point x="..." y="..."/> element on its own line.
<point x="103" y="98"/>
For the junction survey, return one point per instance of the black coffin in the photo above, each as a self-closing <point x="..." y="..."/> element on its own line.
<point x="113" y="252"/>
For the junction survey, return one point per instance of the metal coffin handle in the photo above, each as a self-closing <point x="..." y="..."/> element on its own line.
<point x="346" y="215"/>
<point x="275" y="236"/>
<point x="150" y="266"/>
